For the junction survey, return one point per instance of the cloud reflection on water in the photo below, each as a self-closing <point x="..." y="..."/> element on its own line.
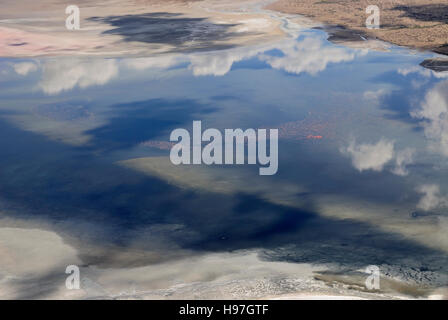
<point x="131" y="205"/>
<point x="376" y="156"/>
<point x="305" y="55"/>
<point x="65" y="74"/>
<point x="434" y="113"/>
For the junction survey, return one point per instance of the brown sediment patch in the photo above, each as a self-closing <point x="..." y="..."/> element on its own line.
<point x="418" y="24"/>
<point x="307" y="129"/>
<point x="114" y="28"/>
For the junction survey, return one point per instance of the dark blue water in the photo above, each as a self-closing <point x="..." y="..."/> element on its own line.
<point x="361" y="133"/>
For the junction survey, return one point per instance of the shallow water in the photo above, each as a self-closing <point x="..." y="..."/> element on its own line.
<point x="362" y="154"/>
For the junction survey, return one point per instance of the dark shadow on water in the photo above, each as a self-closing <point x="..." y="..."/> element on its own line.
<point x="93" y="202"/>
<point x="399" y="105"/>
<point x="132" y="123"/>
<point x="169" y="28"/>
<point x="402" y="101"/>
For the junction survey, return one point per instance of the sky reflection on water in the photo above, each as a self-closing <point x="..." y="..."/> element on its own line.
<point x="72" y="129"/>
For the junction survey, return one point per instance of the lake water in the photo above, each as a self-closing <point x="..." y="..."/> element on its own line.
<point x="362" y="176"/>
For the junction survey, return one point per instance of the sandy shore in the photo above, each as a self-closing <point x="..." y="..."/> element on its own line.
<point x="28" y="271"/>
<point x="139" y="28"/>
<point x="146" y="27"/>
<point x="420" y="24"/>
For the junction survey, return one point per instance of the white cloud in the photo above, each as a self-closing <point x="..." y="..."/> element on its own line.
<point x="65" y="74"/>
<point x="24" y="68"/>
<point x="414" y="69"/>
<point x="431" y="197"/>
<point x="371" y="156"/>
<point x="434" y="112"/>
<point x="402" y="159"/>
<point x="158" y="62"/>
<point x="219" y="63"/>
<point x="309" y="55"/>
<point x="376" y="156"/>
<point x="375" y="96"/>
<point x="427" y="73"/>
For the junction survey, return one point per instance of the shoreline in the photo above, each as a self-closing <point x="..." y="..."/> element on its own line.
<point x="223" y="276"/>
<point x="224" y="24"/>
<point x="140" y="28"/>
<point x="403" y="25"/>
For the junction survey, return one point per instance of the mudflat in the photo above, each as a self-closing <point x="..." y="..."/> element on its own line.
<point x="140" y="27"/>
<point x="418" y="24"/>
